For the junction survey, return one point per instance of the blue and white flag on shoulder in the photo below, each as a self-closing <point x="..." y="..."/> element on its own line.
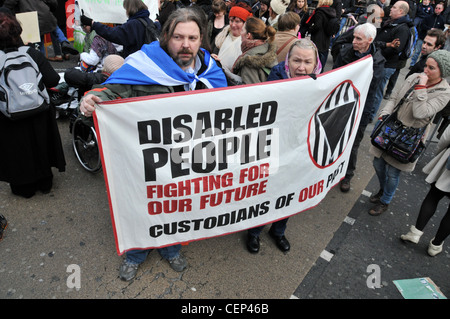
<point x="153" y="66"/>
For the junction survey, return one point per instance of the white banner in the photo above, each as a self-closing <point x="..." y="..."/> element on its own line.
<point x="187" y="166"/>
<point x="112" y="11"/>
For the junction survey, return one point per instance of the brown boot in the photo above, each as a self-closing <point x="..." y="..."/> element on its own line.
<point x="378" y="209"/>
<point x="376" y="198"/>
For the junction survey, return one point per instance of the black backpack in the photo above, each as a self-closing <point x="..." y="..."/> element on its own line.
<point x="151" y="32"/>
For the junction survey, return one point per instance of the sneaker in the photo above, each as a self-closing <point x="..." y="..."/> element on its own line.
<point x="387" y="96"/>
<point x="3" y="226"/>
<point x="413" y="235"/>
<point x="375" y="199"/>
<point x="433" y="250"/>
<point x="128" y="270"/>
<point x="379" y="209"/>
<point x="344" y="185"/>
<point x="178" y="263"/>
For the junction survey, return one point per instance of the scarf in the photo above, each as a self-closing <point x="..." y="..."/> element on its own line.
<point x="246" y="46"/>
<point x="153" y="66"/>
<point x="316" y="70"/>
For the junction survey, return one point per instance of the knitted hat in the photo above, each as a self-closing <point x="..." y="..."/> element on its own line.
<point x="240" y="13"/>
<point x="442" y="57"/>
<point x="279" y="6"/>
<point x="112" y="62"/>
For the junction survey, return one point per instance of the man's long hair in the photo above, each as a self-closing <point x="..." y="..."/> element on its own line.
<point x="189" y="14"/>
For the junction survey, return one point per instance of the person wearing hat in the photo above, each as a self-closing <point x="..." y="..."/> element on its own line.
<point x="228" y="42"/>
<point x="430" y="94"/>
<point x="276" y="8"/>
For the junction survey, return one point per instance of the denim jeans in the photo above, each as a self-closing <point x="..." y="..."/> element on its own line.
<point x="139" y="256"/>
<point x="388" y="72"/>
<point x="57" y="37"/>
<point x="277" y="228"/>
<point x="323" y="56"/>
<point x="388" y="176"/>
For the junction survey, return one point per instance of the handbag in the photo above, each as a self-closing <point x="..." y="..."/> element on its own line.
<point x="401" y="142"/>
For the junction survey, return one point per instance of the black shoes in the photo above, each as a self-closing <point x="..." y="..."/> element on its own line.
<point x="67" y="48"/>
<point x="281" y="242"/>
<point x="252" y="244"/>
<point x="344" y="185"/>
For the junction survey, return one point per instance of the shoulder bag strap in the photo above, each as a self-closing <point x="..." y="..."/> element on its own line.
<point x="400" y="103"/>
<point x="284" y="45"/>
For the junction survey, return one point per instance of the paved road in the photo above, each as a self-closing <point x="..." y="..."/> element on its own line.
<point x="48" y="234"/>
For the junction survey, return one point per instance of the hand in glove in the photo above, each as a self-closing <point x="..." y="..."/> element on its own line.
<point x="85" y="20"/>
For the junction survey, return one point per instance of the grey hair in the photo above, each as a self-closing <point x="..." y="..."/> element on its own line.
<point x="304" y="44"/>
<point x="368" y="29"/>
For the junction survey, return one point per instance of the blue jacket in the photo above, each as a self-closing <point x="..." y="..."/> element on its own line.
<point x="130" y="35"/>
<point x="277" y="72"/>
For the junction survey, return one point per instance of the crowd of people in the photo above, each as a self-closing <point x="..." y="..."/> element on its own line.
<point x="249" y="42"/>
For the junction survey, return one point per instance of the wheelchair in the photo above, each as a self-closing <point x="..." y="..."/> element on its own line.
<point x="84" y="142"/>
<point x="84" y="138"/>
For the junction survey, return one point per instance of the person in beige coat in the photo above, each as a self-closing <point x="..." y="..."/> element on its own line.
<point x="258" y="52"/>
<point x="287" y="34"/>
<point x="439" y="178"/>
<point x="430" y="95"/>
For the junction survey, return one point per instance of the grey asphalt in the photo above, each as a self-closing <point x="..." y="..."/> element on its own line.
<point x="333" y="245"/>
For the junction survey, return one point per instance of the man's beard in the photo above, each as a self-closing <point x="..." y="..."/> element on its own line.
<point x="181" y="62"/>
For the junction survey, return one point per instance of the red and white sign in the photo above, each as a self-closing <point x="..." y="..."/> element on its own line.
<point x="188" y="166"/>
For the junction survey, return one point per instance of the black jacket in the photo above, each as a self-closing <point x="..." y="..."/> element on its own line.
<point x="317" y="25"/>
<point x="390" y="30"/>
<point x="433" y="21"/>
<point x="131" y="34"/>
<point x="348" y="55"/>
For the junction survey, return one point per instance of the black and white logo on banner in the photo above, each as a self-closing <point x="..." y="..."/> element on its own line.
<point x="331" y="126"/>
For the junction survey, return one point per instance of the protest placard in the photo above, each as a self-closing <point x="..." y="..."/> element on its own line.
<point x="188" y="166"/>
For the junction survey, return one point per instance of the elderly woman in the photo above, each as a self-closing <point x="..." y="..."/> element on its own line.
<point x="302" y="59"/>
<point x="258" y="52"/>
<point x="430" y="93"/>
<point x="30" y="146"/>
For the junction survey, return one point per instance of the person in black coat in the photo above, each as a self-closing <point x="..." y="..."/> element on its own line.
<point x="131" y="34"/>
<point x="392" y="38"/>
<point x="362" y="45"/>
<point x="30" y="146"/>
<point x="317" y="26"/>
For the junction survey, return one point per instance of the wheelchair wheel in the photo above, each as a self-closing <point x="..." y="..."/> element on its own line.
<point x="84" y="141"/>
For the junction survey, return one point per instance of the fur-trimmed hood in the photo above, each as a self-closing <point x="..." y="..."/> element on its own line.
<point x="260" y="57"/>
